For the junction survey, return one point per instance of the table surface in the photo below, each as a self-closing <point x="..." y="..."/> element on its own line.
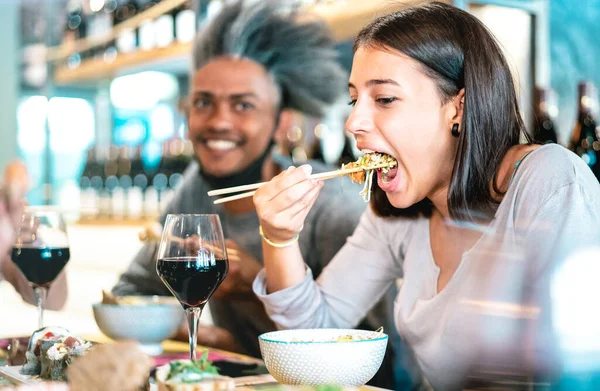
<point x="178" y="350"/>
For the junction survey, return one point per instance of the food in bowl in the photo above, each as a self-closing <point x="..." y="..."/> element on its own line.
<point x="109" y="298"/>
<point x="196" y="375"/>
<point x="50" y="352"/>
<point x="319" y="357"/>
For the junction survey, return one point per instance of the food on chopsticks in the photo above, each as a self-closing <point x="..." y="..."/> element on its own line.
<point x="370" y="162"/>
<point x="50" y="352"/>
<point x="196" y="375"/>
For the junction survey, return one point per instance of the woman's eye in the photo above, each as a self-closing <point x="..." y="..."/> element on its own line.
<point x="386" y="101"/>
<point x="352" y="102"/>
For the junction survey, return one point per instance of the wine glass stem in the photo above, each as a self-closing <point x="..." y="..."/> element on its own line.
<point x="193" y="317"/>
<point x="40" y="297"/>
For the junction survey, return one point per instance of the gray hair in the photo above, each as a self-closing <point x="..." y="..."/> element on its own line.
<point x="299" y="56"/>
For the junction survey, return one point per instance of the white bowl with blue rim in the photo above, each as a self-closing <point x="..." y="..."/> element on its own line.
<point x="315" y="357"/>
<point x="146" y="319"/>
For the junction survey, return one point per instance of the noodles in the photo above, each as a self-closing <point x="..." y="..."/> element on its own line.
<point x="367" y="162"/>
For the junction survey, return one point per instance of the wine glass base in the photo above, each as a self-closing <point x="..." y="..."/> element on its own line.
<point x="151" y="349"/>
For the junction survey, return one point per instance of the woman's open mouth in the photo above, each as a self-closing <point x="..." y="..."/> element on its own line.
<point x="388" y="179"/>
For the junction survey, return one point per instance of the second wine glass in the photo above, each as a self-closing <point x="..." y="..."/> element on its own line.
<point x="41" y="251"/>
<point x="192" y="263"/>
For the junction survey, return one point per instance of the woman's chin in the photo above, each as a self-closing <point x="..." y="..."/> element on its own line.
<point x="400" y="200"/>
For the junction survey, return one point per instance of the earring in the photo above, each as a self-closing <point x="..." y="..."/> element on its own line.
<point x="455" y="131"/>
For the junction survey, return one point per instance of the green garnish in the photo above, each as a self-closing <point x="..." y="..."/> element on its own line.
<point x="329" y="387"/>
<point x="191" y="371"/>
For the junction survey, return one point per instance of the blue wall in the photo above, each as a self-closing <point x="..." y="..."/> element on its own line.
<point x="9" y="79"/>
<point x="575" y="54"/>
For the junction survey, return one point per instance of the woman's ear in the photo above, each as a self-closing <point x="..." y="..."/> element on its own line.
<point x="458" y="103"/>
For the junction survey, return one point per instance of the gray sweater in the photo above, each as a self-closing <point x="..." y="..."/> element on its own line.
<point x="332" y="219"/>
<point x="496" y="312"/>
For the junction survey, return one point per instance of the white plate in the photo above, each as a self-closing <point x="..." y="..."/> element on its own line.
<point x="12" y="374"/>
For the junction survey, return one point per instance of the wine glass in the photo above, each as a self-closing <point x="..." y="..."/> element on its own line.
<point x="41" y="251"/>
<point x="192" y="262"/>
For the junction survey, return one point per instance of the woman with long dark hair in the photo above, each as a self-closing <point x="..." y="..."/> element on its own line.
<point x="473" y="222"/>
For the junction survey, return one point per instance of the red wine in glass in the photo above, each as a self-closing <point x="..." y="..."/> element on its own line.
<point x="192" y="262"/>
<point x="190" y="279"/>
<point x="41" y="251"/>
<point x="40" y="266"/>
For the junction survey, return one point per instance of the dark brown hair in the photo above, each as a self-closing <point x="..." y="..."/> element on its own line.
<point x="457" y="51"/>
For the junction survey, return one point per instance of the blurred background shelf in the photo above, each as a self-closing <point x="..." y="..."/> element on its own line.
<point x="345" y="19"/>
<point x="174" y="59"/>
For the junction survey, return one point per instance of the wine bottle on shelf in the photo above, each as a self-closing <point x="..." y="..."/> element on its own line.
<point x="316" y="149"/>
<point x="127" y="40"/>
<point x="88" y="192"/>
<point x="73" y="28"/>
<point x="120" y="194"/>
<point x="164" y="29"/>
<point x="185" y="21"/>
<point x="135" y="194"/>
<point x="147" y="31"/>
<point x="545" y="113"/>
<point x="584" y="139"/>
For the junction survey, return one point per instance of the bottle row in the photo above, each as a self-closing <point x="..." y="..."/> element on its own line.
<point x="94" y="19"/>
<point x="585" y="137"/>
<point x="132" y="182"/>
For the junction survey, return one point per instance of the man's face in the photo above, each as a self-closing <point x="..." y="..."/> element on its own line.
<point x="234" y="105"/>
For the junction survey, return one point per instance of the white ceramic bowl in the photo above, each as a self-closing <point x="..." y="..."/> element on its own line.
<point x="149" y="321"/>
<point x="315" y="357"/>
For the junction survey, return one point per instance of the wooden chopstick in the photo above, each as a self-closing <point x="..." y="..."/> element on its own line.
<point x="321" y="176"/>
<point x="234" y="197"/>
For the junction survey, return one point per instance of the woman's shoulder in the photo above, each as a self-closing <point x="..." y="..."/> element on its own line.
<point x="555" y="164"/>
<point x="548" y="169"/>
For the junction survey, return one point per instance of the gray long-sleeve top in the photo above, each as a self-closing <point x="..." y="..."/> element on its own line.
<point x="496" y="312"/>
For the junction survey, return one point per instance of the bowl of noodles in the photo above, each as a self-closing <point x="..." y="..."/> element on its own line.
<point x="315" y="357"/>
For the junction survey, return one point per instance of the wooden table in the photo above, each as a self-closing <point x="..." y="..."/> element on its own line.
<point x="176" y="349"/>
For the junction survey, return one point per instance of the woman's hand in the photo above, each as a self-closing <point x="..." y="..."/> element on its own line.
<point x="283" y="203"/>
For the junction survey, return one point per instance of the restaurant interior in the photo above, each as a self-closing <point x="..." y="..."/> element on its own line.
<point x="94" y="104"/>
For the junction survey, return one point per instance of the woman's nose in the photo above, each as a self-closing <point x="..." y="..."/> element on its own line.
<point x="360" y="120"/>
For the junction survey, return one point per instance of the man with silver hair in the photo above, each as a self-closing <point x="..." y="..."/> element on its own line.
<point x="252" y="67"/>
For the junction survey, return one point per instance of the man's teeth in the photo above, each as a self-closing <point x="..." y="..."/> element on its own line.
<point x="221" y="145"/>
<point x="367" y="151"/>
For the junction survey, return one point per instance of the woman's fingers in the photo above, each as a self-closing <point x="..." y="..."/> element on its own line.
<point x="283" y="203"/>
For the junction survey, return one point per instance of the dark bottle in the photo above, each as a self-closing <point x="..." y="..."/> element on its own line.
<point x="127" y="39"/>
<point x="348" y="155"/>
<point x="545" y="111"/>
<point x="75" y="26"/>
<point x="584" y="139"/>
<point x="185" y="20"/>
<point x="316" y="149"/>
